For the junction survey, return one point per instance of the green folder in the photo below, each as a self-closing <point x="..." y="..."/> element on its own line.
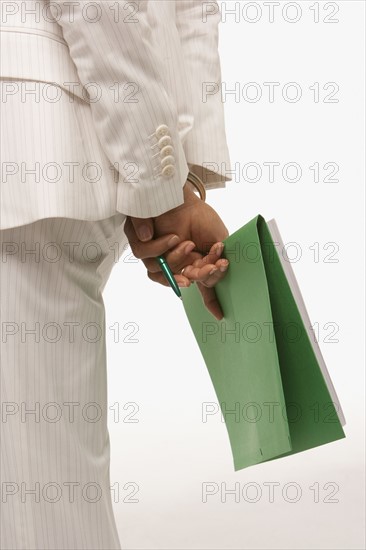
<point x="270" y="379"/>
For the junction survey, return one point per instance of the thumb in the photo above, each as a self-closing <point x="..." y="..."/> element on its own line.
<point x="144" y="228"/>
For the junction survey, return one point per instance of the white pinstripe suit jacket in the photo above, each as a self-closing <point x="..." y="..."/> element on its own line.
<point x="105" y="105"/>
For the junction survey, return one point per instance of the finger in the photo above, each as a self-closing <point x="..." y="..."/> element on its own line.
<point x="216" y="274"/>
<point x="211" y="302"/>
<point x="214" y="253"/>
<point x="149" y="249"/>
<point x="177" y="258"/>
<point x="209" y="274"/>
<point x="212" y="256"/>
<point x="144" y="228"/>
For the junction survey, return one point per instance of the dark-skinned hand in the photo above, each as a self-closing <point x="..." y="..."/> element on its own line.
<point x="189" y="236"/>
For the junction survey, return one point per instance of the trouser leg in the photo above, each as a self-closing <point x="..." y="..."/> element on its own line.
<point x="55" y="450"/>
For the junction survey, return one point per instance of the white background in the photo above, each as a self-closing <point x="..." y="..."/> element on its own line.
<point x="163" y="459"/>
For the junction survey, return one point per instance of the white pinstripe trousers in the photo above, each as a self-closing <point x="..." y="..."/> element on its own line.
<point x="55" y="450"/>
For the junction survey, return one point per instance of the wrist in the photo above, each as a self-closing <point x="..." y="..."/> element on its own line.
<point x="189" y="194"/>
<point x="188" y="188"/>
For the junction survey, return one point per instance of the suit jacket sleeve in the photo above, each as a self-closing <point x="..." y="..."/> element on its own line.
<point x="135" y="119"/>
<point x="205" y="145"/>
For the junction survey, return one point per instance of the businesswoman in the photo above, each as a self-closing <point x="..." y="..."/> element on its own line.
<point x="111" y="117"/>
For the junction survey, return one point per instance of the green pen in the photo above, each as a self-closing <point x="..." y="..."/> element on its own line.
<point x="168" y="274"/>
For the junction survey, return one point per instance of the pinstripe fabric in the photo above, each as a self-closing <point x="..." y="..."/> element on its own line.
<point x="60" y="171"/>
<point x="55" y="461"/>
<point x="149" y="68"/>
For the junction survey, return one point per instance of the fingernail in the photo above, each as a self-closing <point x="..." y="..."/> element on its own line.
<point x="144" y="233"/>
<point x="189" y="248"/>
<point x="223" y="268"/>
<point x="184" y="284"/>
<point x="219" y="248"/>
<point x="174" y="240"/>
<point x="213" y="271"/>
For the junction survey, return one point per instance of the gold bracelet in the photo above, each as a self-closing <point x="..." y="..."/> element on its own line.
<point x="198" y="184"/>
